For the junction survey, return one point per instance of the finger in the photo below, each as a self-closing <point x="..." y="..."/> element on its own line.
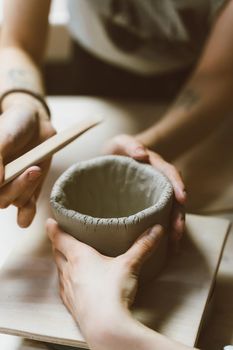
<point x="35" y="188"/>
<point x="26" y="213"/>
<point x="135" y="149"/>
<point x="45" y="169"/>
<point x="27" y="210"/>
<point x="44" y="166"/>
<point x="61" y="241"/>
<point x="10" y="192"/>
<point x="26" y="196"/>
<point x="172" y="174"/>
<point x="144" y="246"/>
<point x="178" y="222"/>
<point x="129" y="146"/>
<point x="177" y="183"/>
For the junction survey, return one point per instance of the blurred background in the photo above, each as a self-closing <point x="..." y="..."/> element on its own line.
<point x="58" y="65"/>
<point x="70" y="70"/>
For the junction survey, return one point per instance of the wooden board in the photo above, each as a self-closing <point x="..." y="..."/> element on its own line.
<point x="10" y="342"/>
<point x="173" y="304"/>
<point x="218" y="331"/>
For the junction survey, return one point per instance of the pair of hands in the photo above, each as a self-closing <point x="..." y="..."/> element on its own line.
<point x="24" y="124"/>
<point x="99" y="290"/>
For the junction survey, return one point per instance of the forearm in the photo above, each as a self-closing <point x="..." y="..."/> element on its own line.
<point x="206" y="99"/>
<point x="201" y="107"/>
<point x="122" y="331"/>
<point x="18" y="70"/>
<point x="22" y="45"/>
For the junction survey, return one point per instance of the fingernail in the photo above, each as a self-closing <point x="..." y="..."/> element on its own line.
<point x="184" y="191"/>
<point x="154" y="231"/>
<point x="33" y="175"/>
<point x="178" y="224"/>
<point x="140" y="152"/>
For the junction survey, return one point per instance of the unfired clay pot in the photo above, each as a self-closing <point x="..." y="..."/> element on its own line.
<point x="107" y="202"/>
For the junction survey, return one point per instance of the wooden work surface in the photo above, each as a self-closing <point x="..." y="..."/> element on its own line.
<point x="173" y="304"/>
<point x="120" y="117"/>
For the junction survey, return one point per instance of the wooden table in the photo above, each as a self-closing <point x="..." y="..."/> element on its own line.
<point x="131" y="117"/>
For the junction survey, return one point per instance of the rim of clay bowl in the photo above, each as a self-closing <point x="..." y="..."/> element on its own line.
<point x="70" y="214"/>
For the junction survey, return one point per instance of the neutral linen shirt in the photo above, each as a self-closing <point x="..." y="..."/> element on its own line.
<point x="144" y="36"/>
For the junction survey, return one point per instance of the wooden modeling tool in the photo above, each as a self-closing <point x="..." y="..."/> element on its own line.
<point x="47" y="148"/>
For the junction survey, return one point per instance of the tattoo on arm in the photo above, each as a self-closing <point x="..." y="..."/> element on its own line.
<point x="187" y="99"/>
<point x="19" y="78"/>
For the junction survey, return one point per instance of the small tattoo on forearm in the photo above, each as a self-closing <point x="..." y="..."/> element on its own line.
<point x="187" y="99"/>
<point x="19" y="78"/>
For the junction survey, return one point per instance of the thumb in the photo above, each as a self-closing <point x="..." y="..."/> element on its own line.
<point x="128" y="146"/>
<point x="133" y="148"/>
<point x="144" y="246"/>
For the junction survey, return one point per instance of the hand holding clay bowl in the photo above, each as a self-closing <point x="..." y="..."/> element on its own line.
<point x="109" y="201"/>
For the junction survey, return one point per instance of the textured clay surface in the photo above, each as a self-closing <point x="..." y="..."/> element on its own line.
<point x="107" y="202"/>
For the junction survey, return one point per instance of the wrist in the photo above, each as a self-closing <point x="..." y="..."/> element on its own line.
<point x="109" y="329"/>
<point x="122" y="331"/>
<point x="24" y="100"/>
<point x="151" y="137"/>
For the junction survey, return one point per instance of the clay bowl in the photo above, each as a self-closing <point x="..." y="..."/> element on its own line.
<point x="107" y="202"/>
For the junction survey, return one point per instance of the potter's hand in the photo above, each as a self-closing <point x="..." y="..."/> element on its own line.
<point x="130" y="146"/>
<point x="95" y="287"/>
<point x="98" y="291"/>
<point x="23" y="125"/>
